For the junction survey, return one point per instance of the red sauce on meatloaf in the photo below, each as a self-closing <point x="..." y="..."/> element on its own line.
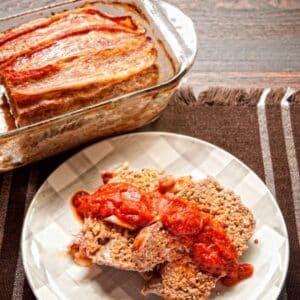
<point x="209" y="245"/>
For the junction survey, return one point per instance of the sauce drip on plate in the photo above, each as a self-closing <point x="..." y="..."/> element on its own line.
<point x="206" y="239"/>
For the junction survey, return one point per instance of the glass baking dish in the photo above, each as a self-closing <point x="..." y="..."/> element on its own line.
<point x="175" y="38"/>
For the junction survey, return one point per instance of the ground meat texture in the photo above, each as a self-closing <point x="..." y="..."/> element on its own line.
<point x="111" y="245"/>
<point x="181" y="280"/>
<point x="175" y="276"/>
<point x="225" y="207"/>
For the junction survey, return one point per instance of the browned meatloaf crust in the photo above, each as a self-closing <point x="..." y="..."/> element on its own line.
<point x="175" y="276"/>
<point x="74" y="59"/>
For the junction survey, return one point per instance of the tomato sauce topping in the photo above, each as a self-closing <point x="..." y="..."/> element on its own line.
<point x="208" y="243"/>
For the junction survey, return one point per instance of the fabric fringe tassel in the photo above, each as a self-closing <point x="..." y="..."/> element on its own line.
<point x="222" y="96"/>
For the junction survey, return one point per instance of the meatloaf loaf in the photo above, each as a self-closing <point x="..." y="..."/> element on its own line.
<point x="77" y="58"/>
<point x="164" y="261"/>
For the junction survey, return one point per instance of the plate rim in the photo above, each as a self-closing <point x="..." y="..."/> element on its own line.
<point x="152" y="133"/>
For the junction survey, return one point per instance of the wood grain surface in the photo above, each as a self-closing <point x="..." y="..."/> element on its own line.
<point x="241" y="42"/>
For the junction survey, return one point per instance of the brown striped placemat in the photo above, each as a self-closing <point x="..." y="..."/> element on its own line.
<point x="259" y="126"/>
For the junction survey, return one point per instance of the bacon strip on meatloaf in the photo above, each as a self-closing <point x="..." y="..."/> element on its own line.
<point x="73" y="59"/>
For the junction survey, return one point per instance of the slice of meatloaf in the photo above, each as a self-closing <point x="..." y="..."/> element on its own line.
<point x="154" y="245"/>
<point x="225" y="207"/>
<point x="146" y="179"/>
<point x="175" y="276"/>
<point x="180" y="279"/>
<point x="112" y="245"/>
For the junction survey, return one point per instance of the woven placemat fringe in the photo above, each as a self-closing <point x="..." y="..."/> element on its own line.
<point x="295" y="98"/>
<point x="226" y="96"/>
<point x="275" y="96"/>
<point x="222" y="96"/>
<point x="185" y="95"/>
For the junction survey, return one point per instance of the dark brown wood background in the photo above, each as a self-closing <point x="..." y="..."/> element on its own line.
<point x="241" y="42"/>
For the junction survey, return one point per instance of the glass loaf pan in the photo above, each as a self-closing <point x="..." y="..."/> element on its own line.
<point x="175" y="38"/>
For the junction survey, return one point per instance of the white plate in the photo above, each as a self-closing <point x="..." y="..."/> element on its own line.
<point x="50" y="224"/>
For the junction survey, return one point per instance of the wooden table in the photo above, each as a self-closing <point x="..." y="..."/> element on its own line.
<point x="241" y="42"/>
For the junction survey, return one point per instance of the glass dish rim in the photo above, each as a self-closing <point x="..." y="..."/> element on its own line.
<point x="183" y="69"/>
